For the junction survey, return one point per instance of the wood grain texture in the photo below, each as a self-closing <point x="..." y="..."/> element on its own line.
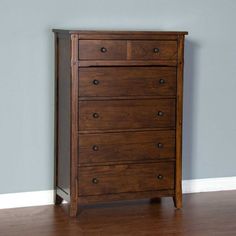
<point x="152" y="50"/>
<point x="112" y="34"/>
<point x="123" y="130"/>
<point x="119" y="112"/>
<point x="127" y="81"/>
<point x="95" y="199"/>
<point x="203" y="214"/>
<point x="127" y="114"/>
<point x="102" y="49"/>
<point x="92" y="63"/>
<point x="179" y="120"/>
<point x="74" y="125"/>
<point x="126" y="146"/>
<point x="112" y="179"/>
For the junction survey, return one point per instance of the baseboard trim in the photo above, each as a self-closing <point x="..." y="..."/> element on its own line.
<point x="39" y="198"/>
<point x="26" y="199"/>
<point x="209" y="185"/>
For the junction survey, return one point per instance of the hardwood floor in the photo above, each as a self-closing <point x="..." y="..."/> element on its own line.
<point x="203" y="214"/>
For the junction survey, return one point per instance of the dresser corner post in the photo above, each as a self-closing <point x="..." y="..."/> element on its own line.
<point x="179" y="121"/>
<point x="73" y="209"/>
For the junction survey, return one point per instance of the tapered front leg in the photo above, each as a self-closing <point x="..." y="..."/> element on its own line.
<point x="73" y="209"/>
<point x="178" y="201"/>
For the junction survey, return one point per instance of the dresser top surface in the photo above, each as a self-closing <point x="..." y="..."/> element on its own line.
<point x="118" y="32"/>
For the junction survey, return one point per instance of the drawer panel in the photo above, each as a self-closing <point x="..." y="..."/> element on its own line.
<point x="126" y="146"/>
<point x="123" y="81"/>
<point x="126" y="178"/>
<point x="126" y="114"/>
<point x="152" y="50"/>
<point x="102" y="50"/>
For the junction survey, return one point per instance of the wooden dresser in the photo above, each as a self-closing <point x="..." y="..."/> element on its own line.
<point x="118" y="121"/>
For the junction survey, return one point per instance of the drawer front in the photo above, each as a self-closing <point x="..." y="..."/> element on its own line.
<point x="132" y="81"/>
<point x="102" y="50"/>
<point x="153" y="50"/>
<point x="126" y="114"/>
<point x="126" y="146"/>
<point x="125" y="178"/>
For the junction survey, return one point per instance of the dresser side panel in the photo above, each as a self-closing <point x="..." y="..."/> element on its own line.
<point x="64" y="115"/>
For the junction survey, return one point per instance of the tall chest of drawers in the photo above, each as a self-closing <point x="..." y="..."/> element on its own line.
<point x="118" y="116"/>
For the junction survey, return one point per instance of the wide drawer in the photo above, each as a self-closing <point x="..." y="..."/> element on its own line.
<point x="126" y="114"/>
<point x="132" y="81"/>
<point x="126" y="146"/>
<point x="152" y="50"/>
<point x="102" y="49"/>
<point x="126" y="178"/>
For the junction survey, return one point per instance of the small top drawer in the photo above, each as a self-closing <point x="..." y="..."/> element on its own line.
<point x="152" y="50"/>
<point x="102" y="49"/>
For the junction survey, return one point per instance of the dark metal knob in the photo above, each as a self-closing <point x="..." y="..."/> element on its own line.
<point x="95" y="148"/>
<point x="160" y="177"/>
<point x="161" y="81"/>
<point x="95" y="181"/>
<point x="156" y="50"/>
<point x="160" y="145"/>
<point x="95" y="115"/>
<point x="103" y="50"/>
<point x="160" y="113"/>
<point x="96" y="82"/>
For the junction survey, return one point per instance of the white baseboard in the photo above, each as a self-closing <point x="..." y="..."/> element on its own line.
<point x="209" y="185"/>
<point x="39" y="198"/>
<point x="26" y="199"/>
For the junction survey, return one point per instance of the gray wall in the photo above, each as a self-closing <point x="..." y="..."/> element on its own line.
<point x="26" y="79"/>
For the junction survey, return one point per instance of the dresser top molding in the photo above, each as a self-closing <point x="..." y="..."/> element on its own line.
<point x="97" y="34"/>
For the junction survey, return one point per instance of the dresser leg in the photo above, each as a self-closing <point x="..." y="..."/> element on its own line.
<point x="73" y="209"/>
<point x="178" y="201"/>
<point x="58" y="200"/>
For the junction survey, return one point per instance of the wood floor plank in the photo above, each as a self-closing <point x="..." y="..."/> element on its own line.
<point x="203" y="214"/>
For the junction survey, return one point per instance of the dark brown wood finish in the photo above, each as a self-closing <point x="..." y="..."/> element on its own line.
<point x="109" y="34"/>
<point x="126" y="146"/>
<point x="111" y="179"/>
<point x="90" y="63"/>
<point x="104" y="198"/>
<point x="152" y="50"/>
<point x="126" y="114"/>
<point x="179" y="121"/>
<point x="74" y="125"/>
<point x="123" y="81"/>
<point x="119" y="115"/>
<point x="102" y="50"/>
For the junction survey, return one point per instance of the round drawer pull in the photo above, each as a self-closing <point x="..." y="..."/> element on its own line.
<point x="96" y="82"/>
<point x="95" y="148"/>
<point x="160" y="113"/>
<point x="95" y="115"/>
<point x="103" y="50"/>
<point x="95" y="181"/>
<point x="156" y="50"/>
<point x="160" y="145"/>
<point x="161" y="81"/>
<point x="160" y="177"/>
